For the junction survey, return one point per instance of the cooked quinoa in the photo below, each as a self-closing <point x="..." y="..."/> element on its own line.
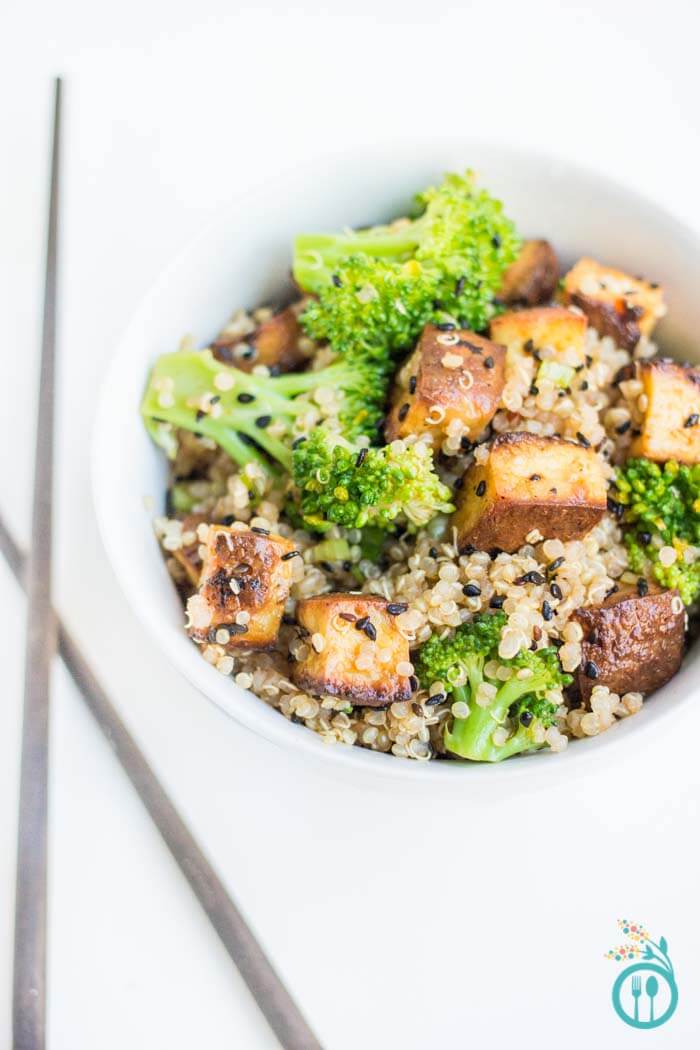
<point x="433" y="582"/>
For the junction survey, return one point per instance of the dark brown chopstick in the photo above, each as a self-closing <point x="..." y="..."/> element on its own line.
<point x="267" y="989"/>
<point x="29" y="975"/>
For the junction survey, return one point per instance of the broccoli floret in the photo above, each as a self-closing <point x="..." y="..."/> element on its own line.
<point x="377" y="288"/>
<point x="249" y="415"/>
<point x="661" y="507"/>
<point x="459" y="662"/>
<point x="341" y="484"/>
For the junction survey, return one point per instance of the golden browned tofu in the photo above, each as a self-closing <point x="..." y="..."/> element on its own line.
<point x="244" y="584"/>
<point x="529" y="482"/>
<point x="670" y="428"/>
<point x="632" y="642"/>
<point x="454" y="375"/>
<point x="532" y="330"/>
<point x="274" y="343"/>
<point x="615" y="303"/>
<point x="361" y="650"/>
<point x="533" y="277"/>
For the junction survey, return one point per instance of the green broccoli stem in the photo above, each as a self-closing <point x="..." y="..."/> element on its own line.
<point x="472" y="737"/>
<point x="317" y="254"/>
<point x="185" y="391"/>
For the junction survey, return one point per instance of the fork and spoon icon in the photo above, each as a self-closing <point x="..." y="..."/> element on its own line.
<point x="651" y="988"/>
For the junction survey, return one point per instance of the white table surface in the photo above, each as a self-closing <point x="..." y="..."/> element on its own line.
<point x="396" y="921"/>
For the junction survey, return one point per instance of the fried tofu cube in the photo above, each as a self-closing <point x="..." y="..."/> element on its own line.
<point x="632" y="642"/>
<point x="533" y="277"/>
<point x="552" y="327"/>
<point x="453" y="375"/>
<point x="356" y="650"/>
<point x="277" y="343"/>
<point x="616" y="304"/>
<point x="670" y="428"/>
<point x="244" y="584"/>
<point x="529" y="482"/>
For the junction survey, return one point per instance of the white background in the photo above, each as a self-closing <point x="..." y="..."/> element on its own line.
<point x="397" y="921"/>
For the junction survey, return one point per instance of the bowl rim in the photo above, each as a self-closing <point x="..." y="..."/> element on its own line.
<point x="245" y="707"/>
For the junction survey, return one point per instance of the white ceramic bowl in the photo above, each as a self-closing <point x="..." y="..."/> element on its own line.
<point x="243" y="259"/>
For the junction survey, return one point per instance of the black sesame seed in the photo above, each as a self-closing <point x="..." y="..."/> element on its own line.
<point x="259" y="531"/>
<point x="556" y="564"/>
<point x="371" y="631"/>
<point x="237" y="628"/>
<point x="615" y="508"/>
<point x="215" y="399"/>
<point x="529" y="346"/>
<point x="535" y="477"/>
<point x="468" y="549"/>
<point x="361" y="456"/>
<point x="228" y="519"/>
<point x="459" y="483"/>
<point x="547" y="612"/>
<point x="337" y="281"/>
<point x="645" y="538"/>
<point x="555" y="591"/>
<point x="459" y="287"/>
<point x="642" y="587"/>
<point x="433" y="552"/>
<point x="413" y="682"/>
<point x="361" y="623"/>
<point x="534" y="390"/>
<point x="590" y="669"/>
<point x="494" y="552"/>
<point x="583" y="385"/>
<point x="612" y="590"/>
<point x="291" y="554"/>
<point x="582" y="439"/>
<point x="530" y="577"/>
<point x="446" y="326"/>
<point x="692" y="421"/>
<point x="200" y="415"/>
<point x="496" y="241"/>
<point x="396" y="608"/>
<point x="436" y="698"/>
<point x="403" y="412"/>
<point x="412" y="383"/>
<point x="248" y="353"/>
<point x="497" y="601"/>
<point x="654" y="284"/>
<point x="488" y="362"/>
<point x="480" y="488"/>
<point x="347" y="566"/>
<point x="623" y="427"/>
<point x="589" y="360"/>
<point x="263" y="421"/>
<point x="526" y="718"/>
<point x="471" y="590"/>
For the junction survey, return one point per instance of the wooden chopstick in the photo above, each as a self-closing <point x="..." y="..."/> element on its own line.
<point x="29" y="975"/>
<point x="275" y="1002"/>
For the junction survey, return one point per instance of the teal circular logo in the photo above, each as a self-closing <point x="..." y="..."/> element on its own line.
<point x="645" y="995"/>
